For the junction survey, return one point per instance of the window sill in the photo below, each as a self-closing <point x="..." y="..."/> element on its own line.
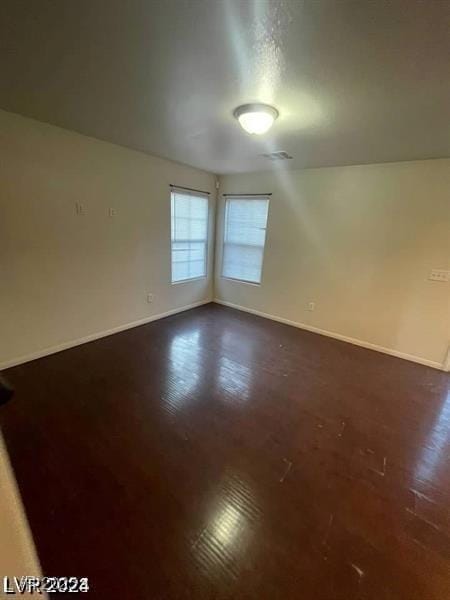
<point x="204" y="277"/>
<point x="241" y="281"/>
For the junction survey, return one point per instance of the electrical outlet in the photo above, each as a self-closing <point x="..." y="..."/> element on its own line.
<point x="439" y="275"/>
<point x="79" y="208"/>
<point x="311" y="306"/>
<point x="112" y="212"/>
<point x="150" y="298"/>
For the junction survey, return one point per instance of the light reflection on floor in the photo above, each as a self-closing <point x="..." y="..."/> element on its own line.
<point x="436" y="445"/>
<point x="234" y="379"/>
<point x="184" y="370"/>
<point x="222" y="544"/>
<point x="227" y="524"/>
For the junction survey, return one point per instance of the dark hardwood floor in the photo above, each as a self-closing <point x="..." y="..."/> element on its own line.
<point x="219" y="455"/>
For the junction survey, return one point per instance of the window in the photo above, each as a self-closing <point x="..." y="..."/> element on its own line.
<point x="244" y="237"/>
<point x="189" y="238"/>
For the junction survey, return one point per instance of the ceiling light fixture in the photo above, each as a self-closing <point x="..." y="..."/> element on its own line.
<point x="256" y="118"/>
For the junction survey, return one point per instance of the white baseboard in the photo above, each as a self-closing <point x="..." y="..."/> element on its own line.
<point x="337" y="336"/>
<point x="95" y="336"/>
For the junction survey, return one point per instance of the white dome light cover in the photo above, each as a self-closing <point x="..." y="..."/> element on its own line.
<point x="256" y="118"/>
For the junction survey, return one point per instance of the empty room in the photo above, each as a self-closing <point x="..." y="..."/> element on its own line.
<point x="225" y="299"/>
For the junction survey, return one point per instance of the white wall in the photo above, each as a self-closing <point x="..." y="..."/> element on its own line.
<point x="358" y="241"/>
<point x="64" y="277"/>
<point x="17" y="552"/>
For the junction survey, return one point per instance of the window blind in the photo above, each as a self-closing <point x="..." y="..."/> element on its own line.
<point x="189" y="225"/>
<point x="244" y="237"/>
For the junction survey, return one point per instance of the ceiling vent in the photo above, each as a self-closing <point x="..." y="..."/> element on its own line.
<point x="280" y="155"/>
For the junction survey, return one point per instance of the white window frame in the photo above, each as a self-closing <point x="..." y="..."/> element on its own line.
<point x="197" y="194"/>
<point x="246" y="197"/>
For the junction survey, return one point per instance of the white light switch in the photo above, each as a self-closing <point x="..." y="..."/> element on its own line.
<point x="439" y="275"/>
<point x="79" y="208"/>
<point x="112" y="212"/>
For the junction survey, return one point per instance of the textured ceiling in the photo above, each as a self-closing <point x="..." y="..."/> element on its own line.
<point x="355" y="82"/>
